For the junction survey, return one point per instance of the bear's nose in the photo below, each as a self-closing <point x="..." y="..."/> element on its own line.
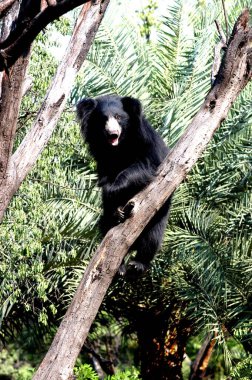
<point x="112" y="126"/>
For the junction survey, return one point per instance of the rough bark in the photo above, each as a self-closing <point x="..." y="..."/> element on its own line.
<point x="234" y="73"/>
<point x="30" y="23"/>
<point x="5" y="6"/>
<point x="22" y="161"/>
<point x="11" y="90"/>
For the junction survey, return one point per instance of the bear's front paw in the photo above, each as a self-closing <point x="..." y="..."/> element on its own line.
<point x="123" y="213"/>
<point x="119" y="215"/>
<point x="128" y="209"/>
<point x="137" y="267"/>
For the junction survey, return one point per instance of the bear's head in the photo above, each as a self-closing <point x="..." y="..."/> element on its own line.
<point x="107" y="120"/>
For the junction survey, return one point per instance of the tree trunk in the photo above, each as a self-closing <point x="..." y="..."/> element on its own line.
<point x="11" y="88"/>
<point x="234" y="73"/>
<point x="162" y="339"/>
<point x="17" y="167"/>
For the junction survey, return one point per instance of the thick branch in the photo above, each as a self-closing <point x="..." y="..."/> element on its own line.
<point x="232" y="77"/>
<point x="11" y="89"/>
<point x="28" y="28"/>
<point x="36" y="139"/>
<point x="5" y="6"/>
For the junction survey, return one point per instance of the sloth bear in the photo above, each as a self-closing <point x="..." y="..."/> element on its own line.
<point x="128" y="152"/>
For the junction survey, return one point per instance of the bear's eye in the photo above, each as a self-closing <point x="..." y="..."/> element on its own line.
<point x="117" y="117"/>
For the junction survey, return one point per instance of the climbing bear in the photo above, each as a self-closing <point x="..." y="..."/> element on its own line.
<point x="128" y="152"/>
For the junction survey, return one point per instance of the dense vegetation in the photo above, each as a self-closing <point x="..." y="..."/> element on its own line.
<point x="199" y="288"/>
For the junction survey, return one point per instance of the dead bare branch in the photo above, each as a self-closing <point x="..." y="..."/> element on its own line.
<point x="5" y="6"/>
<point x="28" y="28"/>
<point x="225" y="17"/>
<point x="222" y="36"/>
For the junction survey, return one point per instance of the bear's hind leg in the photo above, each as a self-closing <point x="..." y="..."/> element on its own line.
<point x="148" y="243"/>
<point x="146" y="246"/>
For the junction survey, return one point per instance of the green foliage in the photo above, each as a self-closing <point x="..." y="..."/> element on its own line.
<point x="85" y="372"/>
<point x="38" y="256"/>
<point x="148" y="19"/>
<point x="37" y="249"/>
<point x="11" y="365"/>
<point x="129" y="374"/>
<point x="243" y="370"/>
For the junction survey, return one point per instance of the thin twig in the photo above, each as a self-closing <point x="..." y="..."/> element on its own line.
<point x="27" y="30"/>
<point x="217" y="52"/>
<point x="222" y="35"/>
<point x="225" y="16"/>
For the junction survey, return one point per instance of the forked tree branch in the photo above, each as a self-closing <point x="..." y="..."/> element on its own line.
<point x="234" y="74"/>
<point x="29" y="26"/>
<point x="37" y="137"/>
<point x="5" y="6"/>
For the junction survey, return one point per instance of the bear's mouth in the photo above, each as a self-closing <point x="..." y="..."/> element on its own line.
<point x="113" y="139"/>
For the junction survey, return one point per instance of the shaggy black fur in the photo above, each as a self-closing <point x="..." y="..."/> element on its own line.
<point x="126" y="167"/>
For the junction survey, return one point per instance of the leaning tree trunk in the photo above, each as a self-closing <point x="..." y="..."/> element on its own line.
<point x="234" y="74"/>
<point x="11" y="88"/>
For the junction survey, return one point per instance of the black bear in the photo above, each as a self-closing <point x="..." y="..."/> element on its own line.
<point x="128" y="152"/>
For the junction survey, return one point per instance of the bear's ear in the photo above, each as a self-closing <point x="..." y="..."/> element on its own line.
<point x="132" y="106"/>
<point x="85" y="108"/>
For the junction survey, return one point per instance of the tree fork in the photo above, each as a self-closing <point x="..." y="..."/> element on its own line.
<point x="5" y="6"/>
<point x="22" y="161"/>
<point x="233" y="75"/>
<point x="29" y="27"/>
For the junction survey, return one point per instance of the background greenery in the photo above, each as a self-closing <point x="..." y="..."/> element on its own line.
<point x="49" y="232"/>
